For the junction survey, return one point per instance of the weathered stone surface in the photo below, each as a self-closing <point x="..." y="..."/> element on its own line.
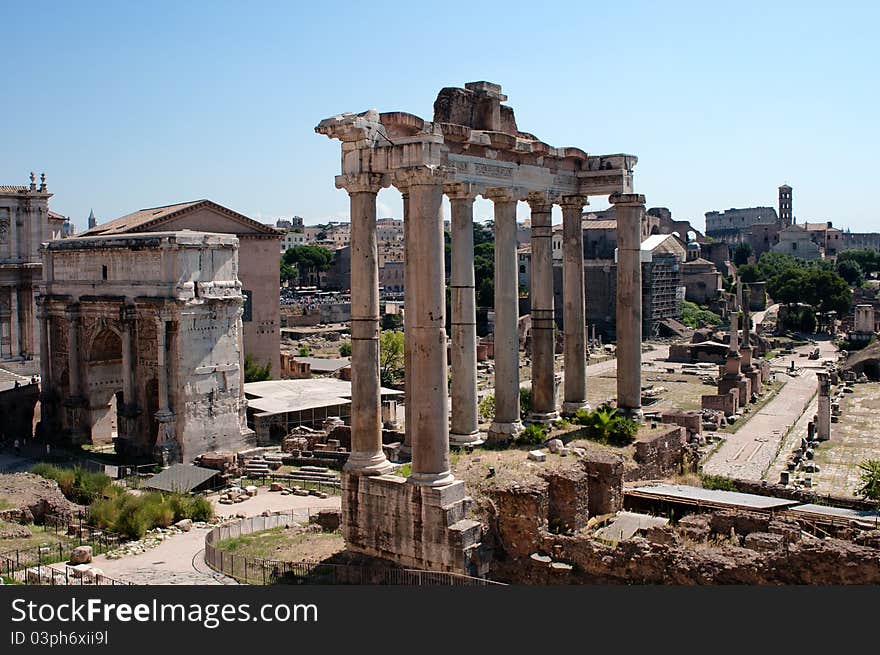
<point x="537" y="456"/>
<point x="81" y="555"/>
<point x="184" y="524"/>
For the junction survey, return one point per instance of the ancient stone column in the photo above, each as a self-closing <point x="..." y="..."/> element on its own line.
<point x="407" y="342"/>
<point x="366" y="456"/>
<point x="45" y="361"/>
<point x="14" y="323"/>
<point x="162" y="364"/>
<point x="73" y="354"/>
<point x="506" y="424"/>
<point x="464" y="425"/>
<point x="427" y="327"/>
<point x="128" y="394"/>
<point x="543" y="385"/>
<point x="823" y="421"/>
<point x="573" y="305"/>
<point x="630" y="210"/>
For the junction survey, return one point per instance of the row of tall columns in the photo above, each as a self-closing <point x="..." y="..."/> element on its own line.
<point x="543" y="323"/>
<point x="574" y="305"/>
<point x="427" y="404"/>
<point x="506" y="424"/>
<point x="630" y="212"/>
<point x="463" y="323"/>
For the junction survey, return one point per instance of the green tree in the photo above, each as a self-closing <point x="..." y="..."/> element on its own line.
<point x="851" y="271"/>
<point x="868" y="260"/>
<point x="345" y="349"/>
<point x="693" y="316"/>
<point x="307" y="259"/>
<point x="749" y="273"/>
<point x="741" y="253"/>
<point x="392" y="322"/>
<point x="486" y="293"/>
<point x="304" y="351"/>
<point x="390" y="356"/>
<point x="254" y="372"/>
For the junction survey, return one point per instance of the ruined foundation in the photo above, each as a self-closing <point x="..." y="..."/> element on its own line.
<point x="412" y="525"/>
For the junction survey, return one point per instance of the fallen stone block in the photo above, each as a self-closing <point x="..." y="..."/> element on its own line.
<point x="81" y="555"/>
<point x="537" y="456"/>
<point x="184" y="524"/>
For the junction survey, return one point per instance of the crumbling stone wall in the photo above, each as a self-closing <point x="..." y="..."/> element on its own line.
<point x="605" y="483"/>
<point x="568" y="505"/>
<point x="659" y="453"/>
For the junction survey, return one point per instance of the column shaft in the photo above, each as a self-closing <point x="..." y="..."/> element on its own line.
<point x="630" y="209"/>
<point x="465" y="429"/>
<point x="574" y="305"/>
<point x="162" y="365"/>
<point x="507" y="420"/>
<point x="427" y="325"/>
<point x="14" y="323"/>
<point x="366" y="402"/>
<point x="407" y="342"/>
<point x="127" y="372"/>
<point x="543" y="347"/>
<point x="45" y="361"/>
<point x="73" y="375"/>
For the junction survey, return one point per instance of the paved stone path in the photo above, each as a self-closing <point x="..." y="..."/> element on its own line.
<point x="180" y="559"/>
<point x="749" y="452"/>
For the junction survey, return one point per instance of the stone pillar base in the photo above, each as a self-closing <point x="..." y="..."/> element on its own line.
<point x="742" y="385"/>
<point x="75" y="409"/>
<point x="368" y="464"/>
<point x="387" y="516"/>
<point x="475" y="438"/>
<point x="504" y="432"/>
<point x="635" y="413"/>
<point x="432" y="479"/>
<point x="542" y="418"/>
<point x="570" y="408"/>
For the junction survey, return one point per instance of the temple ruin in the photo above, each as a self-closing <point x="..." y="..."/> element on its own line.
<point x="152" y="323"/>
<point x="471" y="147"/>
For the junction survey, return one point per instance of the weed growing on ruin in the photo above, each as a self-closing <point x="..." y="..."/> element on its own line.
<point x="870" y="479"/>
<point x="718" y="482"/>
<point x="77" y="484"/>
<point x="532" y="435"/>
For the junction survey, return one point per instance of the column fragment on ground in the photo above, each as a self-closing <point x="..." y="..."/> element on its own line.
<point x="541" y="278"/>
<point x="464" y="425"/>
<point x="630" y="211"/>
<point x="366" y="456"/>
<point x="573" y="305"/>
<point x="506" y="425"/>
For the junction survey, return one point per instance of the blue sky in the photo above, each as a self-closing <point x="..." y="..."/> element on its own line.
<point x="131" y="105"/>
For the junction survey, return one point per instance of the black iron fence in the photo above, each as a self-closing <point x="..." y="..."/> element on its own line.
<point x="46" y="565"/>
<point x="255" y="570"/>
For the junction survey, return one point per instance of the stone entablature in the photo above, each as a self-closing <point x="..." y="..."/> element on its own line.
<point x="153" y="319"/>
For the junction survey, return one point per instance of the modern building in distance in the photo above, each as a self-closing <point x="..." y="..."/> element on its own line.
<point x="258" y="263"/>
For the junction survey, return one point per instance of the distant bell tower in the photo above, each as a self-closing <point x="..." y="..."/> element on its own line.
<point x="93" y="222"/>
<point x="785" y="205"/>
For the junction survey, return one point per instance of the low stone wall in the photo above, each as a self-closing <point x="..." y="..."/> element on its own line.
<point x="727" y="402"/>
<point x="660" y="452"/>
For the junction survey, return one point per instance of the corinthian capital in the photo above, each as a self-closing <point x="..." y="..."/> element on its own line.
<point x="505" y="194"/>
<point x="462" y="191"/>
<point x="574" y="202"/>
<point x="362" y="182"/>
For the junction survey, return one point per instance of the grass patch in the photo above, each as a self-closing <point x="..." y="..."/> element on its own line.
<point x="41" y="535"/>
<point x="5" y="504"/>
<point x="285" y="544"/>
<point x="133" y="515"/>
<point x="717" y="482"/>
<point x="77" y="484"/>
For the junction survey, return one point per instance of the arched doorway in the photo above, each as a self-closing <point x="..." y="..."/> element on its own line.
<point x="103" y="376"/>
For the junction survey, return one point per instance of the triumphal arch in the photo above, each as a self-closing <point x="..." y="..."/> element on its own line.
<point x="142" y="332"/>
<point x="472" y="147"/>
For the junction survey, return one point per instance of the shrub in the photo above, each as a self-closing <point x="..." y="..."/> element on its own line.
<point x="718" y="482"/>
<point x="606" y="426"/>
<point x="525" y="401"/>
<point x="487" y="408"/>
<point x="77" y="484"/>
<point x="533" y="434"/>
<point x="132" y="516"/>
<point x="345" y="349"/>
<point x="870" y="479"/>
